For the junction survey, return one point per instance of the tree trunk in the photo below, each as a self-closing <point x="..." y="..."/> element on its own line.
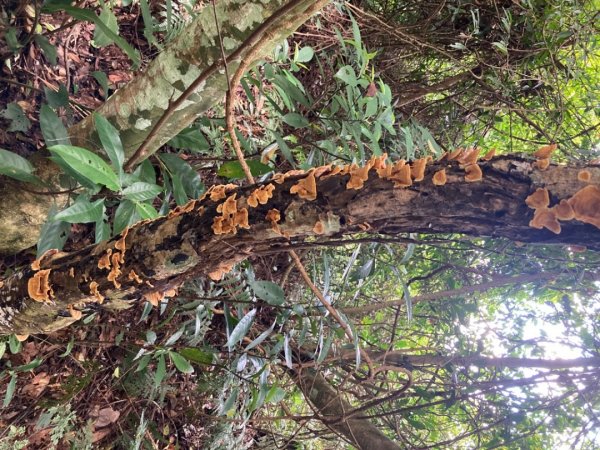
<point x="332" y="409"/>
<point x="135" y="109"/>
<point x="154" y="257"/>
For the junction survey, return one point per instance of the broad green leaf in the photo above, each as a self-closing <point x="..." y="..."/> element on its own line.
<point x="141" y="191"/>
<point x="54" y="234"/>
<point x="196" y="355"/>
<point x="347" y="75"/>
<point x="82" y="211"/>
<point x="16" y="116"/>
<point x="241" y="329"/>
<point x="269" y="292"/>
<point x="88" y="165"/>
<point x="48" y="49"/>
<point x="102" y="230"/>
<point x="295" y="120"/>
<point x="125" y="215"/>
<point x="182" y="364"/>
<point x="15" y="166"/>
<point x="305" y="54"/>
<point x="275" y="395"/>
<point x="179" y="191"/>
<point x="53" y="130"/>
<point x="145" y="172"/>
<point x="190" y="180"/>
<point x="233" y="169"/>
<point x="57" y="99"/>
<point x="146" y="210"/>
<point x="101" y="39"/>
<point x="10" y="390"/>
<point x="111" y="141"/>
<point x="190" y="139"/>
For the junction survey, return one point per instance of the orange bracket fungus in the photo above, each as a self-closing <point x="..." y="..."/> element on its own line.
<point x="563" y="210"/>
<point x="115" y="272"/>
<point x="319" y="228"/>
<point x="468" y="157"/>
<point x="417" y="169"/>
<point x="455" y="154"/>
<point x="104" y="261"/>
<point x="38" y="286"/>
<point x="306" y="188"/>
<point x="75" y="313"/>
<point x="542" y="164"/>
<point x="545" y="151"/>
<point x="473" y="173"/>
<point x="231" y="218"/>
<point x="539" y="199"/>
<point x="261" y="195"/>
<point x="584" y="175"/>
<point x="400" y="174"/>
<point x="358" y="176"/>
<point x="94" y="291"/>
<point x="489" y="155"/>
<point x="586" y="205"/>
<point x="545" y="218"/>
<point x="439" y="178"/>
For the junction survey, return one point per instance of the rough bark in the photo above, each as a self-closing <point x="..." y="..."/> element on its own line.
<point x="162" y="252"/>
<point x="135" y="109"/>
<point x="332" y="408"/>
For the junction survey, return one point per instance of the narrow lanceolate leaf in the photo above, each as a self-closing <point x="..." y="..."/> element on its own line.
<point x="15" y="166"/>
<point x="111" y="142"/>
<point x="269" y="292"/>
<point x="82" y="211"/>
<point x="287" y="351"/>
<point x="265" y="334"/>
<point x="10" y="390"/>
<point x="241" y="329"/>
<point x="181" y="363"/>
<point x="54" y="234"/>
<point x="141" y="191"/>
<point x="88" y="165"/>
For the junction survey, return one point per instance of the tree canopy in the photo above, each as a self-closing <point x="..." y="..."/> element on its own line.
<point x="299" y="224"/>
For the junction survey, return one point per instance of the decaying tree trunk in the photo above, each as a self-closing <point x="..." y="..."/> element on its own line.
<point x="135" y="109"/>
<point x="210" y="235"/>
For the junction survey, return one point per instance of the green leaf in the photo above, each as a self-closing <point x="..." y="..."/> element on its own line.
<point x="347" y="75"/>
<point x="141" y="191"/>
<point x="190" y="139"/>
<point x="84" y="14"/>
<point x="275" y="395"/>
<point x="102" y="80"/>
<point x="190" y="180"/>
<point x="196" y="355"/>
<point x="57" y="99"/>
<point x="82" y="211"/>
<point x="48" y="49"/>
<point x="101" y="38"/>
<point x="269" y="292"/>
<point x="241" y="329"/>
<point x="54" y="234"/>
<point x="146" y="210"/>
<point x="88" y="165"/>
<point x="16" y="116"/>
<point x="233" y="169"/>
<point x="125" y="215"/>
<point x="102" y="231"/>
<point x="69" y="348"/>
<point x="53" y="130"/>
<point x="111" y="142"/>
<point x="15" y="166"/>
<point x="161" y="370"/>
<point x="295" y="120"/>
<point x="230" y="402"/>
<point x="265" y="334"/>
<point x="2" y="348"/>
<point x="145" y="172"/>
<point x="305" y="54"/>
<point x="182" y="364"/>
<point x="10" y="390"/>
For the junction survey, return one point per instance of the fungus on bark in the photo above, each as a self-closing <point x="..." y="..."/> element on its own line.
<point x="584" y="175"/>
<point x="586" y="205"/>
<point x="473" y="173"/>
<point x="306" y="188"/>
<point x="400" y="174"/>
<point x="542" y="164"/>
<point x="75" y="313"/>
<point x="539" y="199"/>
<point x="261" y="195"/>
<point x="38" y="286"/>
<point x="116" y="259"/>
<point x="358" y="176"/>
<point x="454" y="154"/>
<point x="104" y="261"/>
<point x="132" y="276"/>
<point x="468" y="157"/>
<point x="94" y="291"/>
<point x="563" y="210"/>
<point x="417" y="169"/>
<point x="439" y="178"/>
<point x="545" y="151"/>
<point x="545" y="218"/>
<point x="319" y="228"/>
<point x="489" y="155"/>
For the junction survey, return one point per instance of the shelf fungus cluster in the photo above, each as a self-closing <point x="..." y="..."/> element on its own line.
<point x="543" y="156"/>
<point x="584" y="206"/>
